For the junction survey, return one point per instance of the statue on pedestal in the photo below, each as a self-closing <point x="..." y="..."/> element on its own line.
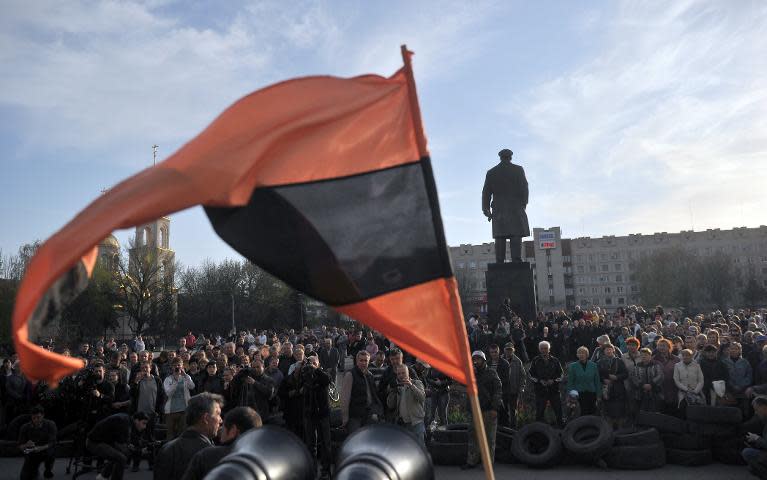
<point x="504" y="199"/>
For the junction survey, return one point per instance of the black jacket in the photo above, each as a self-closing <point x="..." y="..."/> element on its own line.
<point x="205" y="460"/>
<point x="489" y="389"/>
<point x="115" y="429"/>
<point x="316" y="401"/>
<point x="543" y="369"/>
<point x="256" y="396"/>
<point x="174" y="457"/>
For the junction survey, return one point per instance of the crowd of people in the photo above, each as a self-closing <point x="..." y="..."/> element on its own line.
<point x="208" y="389"/>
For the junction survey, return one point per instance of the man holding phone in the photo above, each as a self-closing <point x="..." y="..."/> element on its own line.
<point x="178" y="387"/>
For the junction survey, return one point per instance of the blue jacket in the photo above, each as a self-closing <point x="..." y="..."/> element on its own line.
<point x="583" y="379"/>
<point x="741" y="374"/>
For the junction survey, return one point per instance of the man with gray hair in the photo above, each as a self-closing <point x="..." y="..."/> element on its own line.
<point x="203" y="419"/>
<point x="546" y="374"/>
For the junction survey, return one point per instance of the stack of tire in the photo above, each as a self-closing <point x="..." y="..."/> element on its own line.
<point x="707" y="426"/>
<point x="449" y="444"/>
<point x="640" y="448"/>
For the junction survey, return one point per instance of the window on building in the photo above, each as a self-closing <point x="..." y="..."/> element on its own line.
<point x="621" y="301"/>
<point x="608" y="301"/>
<point x="594" y="289"/>
<point x="619" y="278"/>
<point x="608" y="290"/>
<point x="619" y="289"/>
<point x="461" y="265"/>
<point x="632" y="265"/>
<point x="581" y="269"/>
<point x="581" y="291"/>
<point x="473" y="265"/>
<point x="604" y="279"/>
<point x="579" y="259"/>
<point x="615" y="256"/>
<point x="605" y="267"/>
<point x="592" y="268"/>
<point x="551" y="301"/>
<point x="618" y="267"/>
<point x="591" y="257"/>
<point x="634" y="288"/>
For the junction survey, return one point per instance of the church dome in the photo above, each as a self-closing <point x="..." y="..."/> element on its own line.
<point x="110" y="242"/>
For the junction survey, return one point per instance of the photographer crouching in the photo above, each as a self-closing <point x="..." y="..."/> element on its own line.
<point x="408" y="400"/>
<point x="109" y="440"/>
<point x="317" y="412"/>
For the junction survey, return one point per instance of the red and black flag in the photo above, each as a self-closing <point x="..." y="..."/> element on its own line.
<point x="324" y="182"/>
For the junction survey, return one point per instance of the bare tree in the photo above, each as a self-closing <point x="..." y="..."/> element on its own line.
<point x="146" y="289"/>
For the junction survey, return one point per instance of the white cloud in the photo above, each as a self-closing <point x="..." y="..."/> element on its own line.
<point x="671" y="112"/>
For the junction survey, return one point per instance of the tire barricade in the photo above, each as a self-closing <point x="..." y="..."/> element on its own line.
<point x="711" y="434"/>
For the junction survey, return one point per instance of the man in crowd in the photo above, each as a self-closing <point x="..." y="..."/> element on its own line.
<point x="546" y="375"/>
<point x="329" y="357"/>
<point x="236" y="422"/>
<point x="490" y="392"/>
<point x="407" y="399"/>
<point x="389" y="380"/>
<point x="37" y="440"/>
<point x="252" y="388"/>
<point x="360" y="404"/>
<point x="315" y="382"/>
<point x="109" y="439"/>
<point x="203" y="417"/>
<point x="755" y="453"/>
<point x="438" y="395"/>
<point x="514" y="387"/>
<point x="501" y="366"/>
<point x="178" y="388"/>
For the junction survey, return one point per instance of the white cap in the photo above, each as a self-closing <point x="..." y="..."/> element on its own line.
<point x="479" y="353"/>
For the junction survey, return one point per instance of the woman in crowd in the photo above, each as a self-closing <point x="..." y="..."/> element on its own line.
<point x="583" y="377"/>
<point x="688" y="378"/>
<point x="648" y="383"/>
<point x="613" y="373"/>
<point x="666" y="360"/>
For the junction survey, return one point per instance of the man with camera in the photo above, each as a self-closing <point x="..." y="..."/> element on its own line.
<point x="178" y="387"/>
<point x="37" y="439"/>
<point x="251" y="388"/>
<point x="109" y="440"/>
<point x="97" y="394"/>
<point x="407" y="399"/>
<point x="315" y="382"/>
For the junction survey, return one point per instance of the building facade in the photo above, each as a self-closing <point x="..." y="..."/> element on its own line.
<point x="601" y="271"/>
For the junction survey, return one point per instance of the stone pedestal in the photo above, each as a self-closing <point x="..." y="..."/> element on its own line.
<point x="514" y="281"/>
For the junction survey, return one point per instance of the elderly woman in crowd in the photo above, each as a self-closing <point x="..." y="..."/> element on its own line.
<point x="583" y="378"/>
<point x="667" y="361"/>
<point x="613" y="373"/>
<point x="647" y="383"/>
<point x="688" y="378"/>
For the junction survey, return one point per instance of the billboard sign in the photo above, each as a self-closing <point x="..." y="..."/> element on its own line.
<point x="547" y="240"/>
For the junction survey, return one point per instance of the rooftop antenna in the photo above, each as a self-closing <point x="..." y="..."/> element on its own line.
<point x="692" y="223"/>
<point x="154" y="154"/>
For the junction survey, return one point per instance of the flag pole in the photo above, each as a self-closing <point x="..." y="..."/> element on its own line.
<point x="471" y="390"/>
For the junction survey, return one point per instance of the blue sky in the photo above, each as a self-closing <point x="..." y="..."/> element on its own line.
<point x="628" y="117"/>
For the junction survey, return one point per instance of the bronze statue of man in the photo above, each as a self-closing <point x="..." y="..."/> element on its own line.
<point x="504" y="199"/>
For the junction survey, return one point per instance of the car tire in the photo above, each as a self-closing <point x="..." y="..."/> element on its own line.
<point x="537" y="445"/>
<point x="587" y="445"/>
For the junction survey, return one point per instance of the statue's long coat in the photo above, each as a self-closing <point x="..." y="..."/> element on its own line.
<point x="506" y="192"/>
